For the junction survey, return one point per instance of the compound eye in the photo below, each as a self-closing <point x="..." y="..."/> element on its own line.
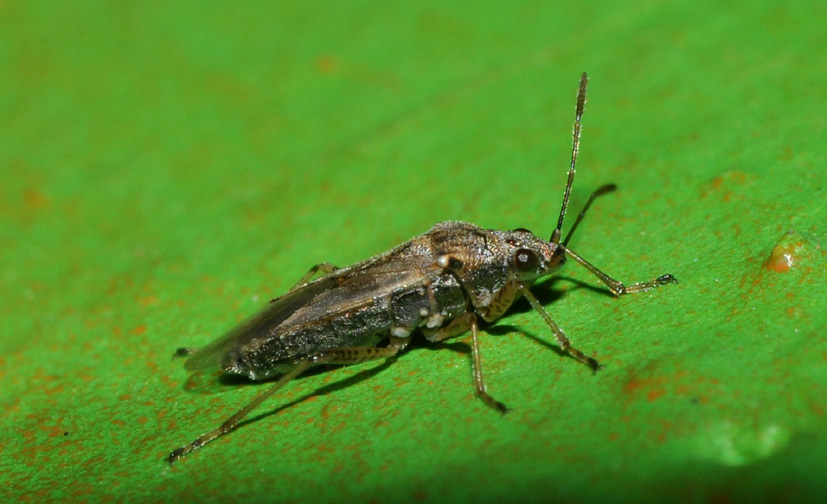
<point x="526" y="260"/>
<point x="522" y="230"/>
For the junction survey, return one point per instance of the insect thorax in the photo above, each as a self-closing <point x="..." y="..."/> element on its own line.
<point x="483" y="259"/>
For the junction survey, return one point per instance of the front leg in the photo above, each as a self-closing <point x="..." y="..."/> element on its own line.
<point x="512" y="291"/>
<point x="559" y="335"/>
<point x="616" y="286"/>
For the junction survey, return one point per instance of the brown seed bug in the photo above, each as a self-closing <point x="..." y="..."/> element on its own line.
<point x="440" y="283"/>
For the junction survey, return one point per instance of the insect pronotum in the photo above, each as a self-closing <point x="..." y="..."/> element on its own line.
<point x="439" y="283"/>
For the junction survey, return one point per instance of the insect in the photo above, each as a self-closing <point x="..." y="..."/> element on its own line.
<point x="439" y="283"/>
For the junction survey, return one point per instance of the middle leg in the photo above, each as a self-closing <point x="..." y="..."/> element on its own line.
<point x="459" y="326"/>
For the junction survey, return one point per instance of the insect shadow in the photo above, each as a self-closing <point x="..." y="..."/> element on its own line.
<point x="359" y="377"/>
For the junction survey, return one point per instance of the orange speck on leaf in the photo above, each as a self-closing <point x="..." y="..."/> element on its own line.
<point x="327" y="65"/>
<point x="53" y="430"/>
<point x="654" y="394"/>
<point x="782" y="258"/>
<point x="35" y="200"/>
<point x="149" y="300"/>
<point x="58" y="389"/>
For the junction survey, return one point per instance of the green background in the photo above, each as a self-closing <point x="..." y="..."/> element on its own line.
<point x="168" y="167"/>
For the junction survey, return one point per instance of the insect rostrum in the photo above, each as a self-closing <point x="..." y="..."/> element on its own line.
<point x="439" y="284"/>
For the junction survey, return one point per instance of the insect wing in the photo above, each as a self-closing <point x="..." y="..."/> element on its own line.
<point x="260" y="325"/>
<point x="356" y="289"/>
<point x="339" y="292"/>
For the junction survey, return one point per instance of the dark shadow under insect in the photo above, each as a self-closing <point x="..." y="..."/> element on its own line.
<point x="359" y="377"/>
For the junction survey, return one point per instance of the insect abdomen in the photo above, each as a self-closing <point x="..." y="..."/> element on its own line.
<point x="397" y="314"/>
<point x="278" y="354"/>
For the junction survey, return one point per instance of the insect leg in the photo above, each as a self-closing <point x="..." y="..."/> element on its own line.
<point x="356" y="355"/>
<point x="231" y="422"/>
<point x="616" y="286"/>
<point x="458" y="326"/>
<point x="479" y="383"/>
<point x="562" y="340"/>
<point x="324" y="267"/>
<point x="344" y="355"/>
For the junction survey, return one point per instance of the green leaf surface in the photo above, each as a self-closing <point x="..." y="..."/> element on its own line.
<point x="169" y="167"/>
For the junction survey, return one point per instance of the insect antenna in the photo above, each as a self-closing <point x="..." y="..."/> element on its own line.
<point x="575" y="148"/>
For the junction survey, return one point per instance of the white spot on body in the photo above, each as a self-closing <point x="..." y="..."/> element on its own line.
<point x="435" y="320"/>
<point x="400" y="332"/>
<point x="484" y="297"/>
